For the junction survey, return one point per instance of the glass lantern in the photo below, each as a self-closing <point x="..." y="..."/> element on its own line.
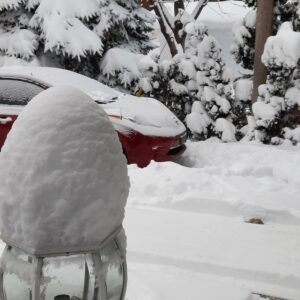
<point x="96" y="275"/>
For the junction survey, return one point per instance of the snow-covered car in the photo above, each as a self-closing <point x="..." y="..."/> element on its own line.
<point x="146" y="128"/>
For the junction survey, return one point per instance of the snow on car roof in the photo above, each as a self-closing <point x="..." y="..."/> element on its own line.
<point x="61" y="77"/>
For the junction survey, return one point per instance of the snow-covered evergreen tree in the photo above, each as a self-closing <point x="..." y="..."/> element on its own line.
<point x="277" y="111"/>
<point x="72" y="33"/>
<point x="166" y="81"/>
<point x="244" y="38"/>
<point x="244" y="33"/>
<point x="242" y="104"/>
<point x="195" y="85"/>
<point x="124" y="23"/>
<point x="213" y="85"/>
<point x="271" y="122"/>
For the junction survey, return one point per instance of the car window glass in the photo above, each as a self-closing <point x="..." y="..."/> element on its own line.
<point x="17" y="92"/>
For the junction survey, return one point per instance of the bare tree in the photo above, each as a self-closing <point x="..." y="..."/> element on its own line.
<point x="264" y="28"/>
<point x="172" y="25"/>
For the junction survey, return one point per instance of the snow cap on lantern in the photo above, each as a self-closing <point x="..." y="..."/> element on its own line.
<point x="64" y="181"/>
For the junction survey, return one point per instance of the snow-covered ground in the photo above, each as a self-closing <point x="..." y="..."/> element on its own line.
<point x="186" y="224"/>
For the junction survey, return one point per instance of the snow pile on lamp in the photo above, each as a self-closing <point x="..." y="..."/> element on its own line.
<point x="64" y="181"/>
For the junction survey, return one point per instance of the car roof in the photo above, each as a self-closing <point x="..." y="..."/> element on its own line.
<point x="42" y="84"/>
<point x="46" y="77"/>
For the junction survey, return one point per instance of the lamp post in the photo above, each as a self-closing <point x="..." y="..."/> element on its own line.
<point x="62" y="220"/>
<point x="96" y="274"/>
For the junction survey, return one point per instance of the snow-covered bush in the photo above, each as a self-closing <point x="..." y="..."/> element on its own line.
<point x="199" y="122"/>
<point x="152" y="72"/>
<point x="166" y="81"/>
<point x="242" y="104"/>
<point x="178" y="94"/>
<point x="73" y="34"/>
<point x="195" y="85"/>
<point x="209" y="78"/>
<point x="244" y="40"/>
<point x="277" y="110"/>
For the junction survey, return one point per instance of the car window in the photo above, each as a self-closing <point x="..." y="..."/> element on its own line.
<point x="17" y="92"/>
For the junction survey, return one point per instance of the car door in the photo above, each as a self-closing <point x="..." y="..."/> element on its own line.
<point x="15" y="93"/>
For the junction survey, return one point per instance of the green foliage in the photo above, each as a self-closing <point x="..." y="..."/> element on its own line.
<point x="114" y="23"/>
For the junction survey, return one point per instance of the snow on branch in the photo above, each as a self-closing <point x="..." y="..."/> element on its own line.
<point x="169" y="18"/>
<point x="9" y="4"/>
<point x="198" y="9"/>
<point x="172" y="25"/>
<point x="195" y="14"/>
<point x="162" y="9"/>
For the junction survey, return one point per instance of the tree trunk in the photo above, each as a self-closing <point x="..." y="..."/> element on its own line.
<point x="169" y="38"/>
<point x="264" y="29"/>
<point x="146" y="4"/>
<point x="173" y="30"/>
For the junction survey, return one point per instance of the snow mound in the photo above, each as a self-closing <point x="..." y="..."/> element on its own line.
<point x="263" y="111"/>
<point x="292" y="134"/>
<point x="292" y="96"/>
<point x="64" y="181"/>
<point x="198" y="120"/>
<point x="226" y="129"/>
<point x="243" y="89"/>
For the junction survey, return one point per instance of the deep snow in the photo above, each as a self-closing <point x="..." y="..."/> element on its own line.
<point x="186" y="229"/>
<point x="64" y="182"/>
<point x="186" y="224"/>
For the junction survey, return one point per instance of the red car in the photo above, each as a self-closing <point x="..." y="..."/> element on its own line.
<point x="146" y="128"/>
